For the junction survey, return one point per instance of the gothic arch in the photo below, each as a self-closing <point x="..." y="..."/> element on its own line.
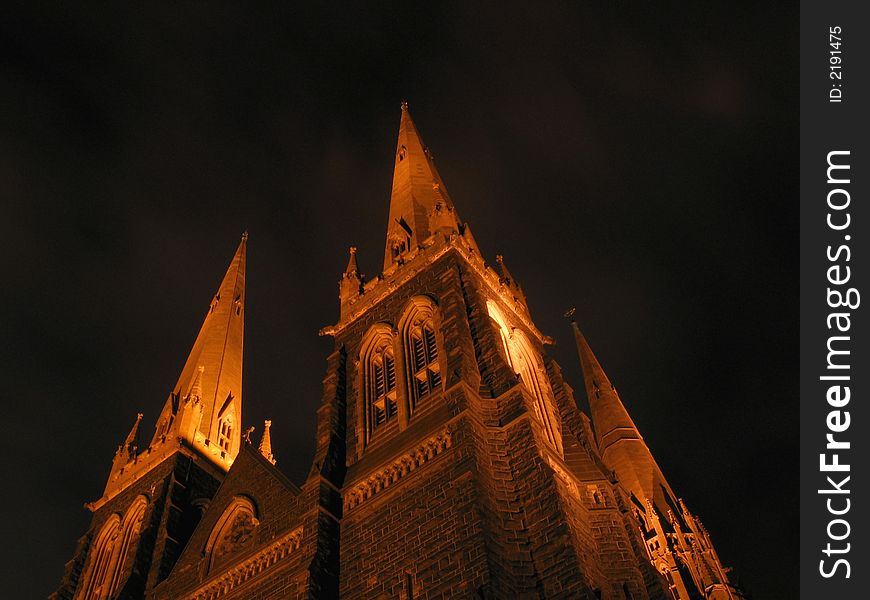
<point x="378" y="378"/>
<point x="94" y="583"/>
<point x="234" y="531"/>
<point x="504" y="330"/>
<point x="113" y="548"/>
<point x="525" y="362"/>
<point x="227" y="426"/>
<point x="421" y="345"/>
<point x="130" y="528"/>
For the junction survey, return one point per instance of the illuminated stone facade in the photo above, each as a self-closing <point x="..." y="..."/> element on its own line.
<point x="451" y="458"/>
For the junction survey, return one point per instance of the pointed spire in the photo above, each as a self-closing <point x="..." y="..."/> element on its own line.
<point x="609" y="417"/>
<point x="419" y="202"/>
<point x="131" y="444"/>
<point x="508" y="280"/>
<point x="196" y="387"/>
<point x="350" y="286"/>
<point x="213" y="371"/>
<point x="126" y="452"/>
<point x="266" y="442"/>
<point x="621" y="446"/>
<point x="352" y="268"/>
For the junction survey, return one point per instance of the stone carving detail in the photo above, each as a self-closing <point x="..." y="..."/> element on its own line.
<point x="252" y="567"/>
<point x="239" y="533"/>
<point x="405" y="464"/>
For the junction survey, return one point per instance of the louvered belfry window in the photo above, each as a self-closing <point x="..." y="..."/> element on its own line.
<point x="382" y="387"/>
<point x="424" y="361"/>
<point x="225" y="436"/>
<point x="420" y="349"/>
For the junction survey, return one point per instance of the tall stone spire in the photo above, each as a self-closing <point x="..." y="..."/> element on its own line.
<point x="419" y="203"/>
<point x="621" y="446"/>
<point x="682" y="548"/>
<point x="609" y="417"/>
<point x="205" y="405"/>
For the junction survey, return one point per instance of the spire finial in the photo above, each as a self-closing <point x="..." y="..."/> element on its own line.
<point x="569" y="314"/>
<point x="505" y="274"/>
<point x="265" y="447"/>
<point x="510" y="281"/>
<point x="350" y="286"/>
<point x="352" y="268"/>
<point x="196" y="386"/>
<point x="404" y="105"/>
<point x="245" y="235"/>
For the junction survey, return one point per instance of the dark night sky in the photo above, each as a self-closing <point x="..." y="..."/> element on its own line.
<point x="637" y="162"/>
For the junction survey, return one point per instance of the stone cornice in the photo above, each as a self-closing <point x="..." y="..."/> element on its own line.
<point x="405" y="464"/>
<point x="229" y="579"/>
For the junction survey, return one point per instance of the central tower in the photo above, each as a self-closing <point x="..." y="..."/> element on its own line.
<point x="467" y="469"/>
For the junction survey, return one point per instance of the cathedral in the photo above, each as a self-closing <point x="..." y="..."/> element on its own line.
<point x="451" y="458"/>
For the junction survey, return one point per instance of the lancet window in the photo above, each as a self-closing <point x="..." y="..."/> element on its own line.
<point x="522" y="358"/>
<point x="399" y="367"/>
<point x="379" y="379"/>
<point x="225" y="433"/>
<point x="95" y="581"/>
<point x="113" y="548"/>
<point x="420" y="343"/>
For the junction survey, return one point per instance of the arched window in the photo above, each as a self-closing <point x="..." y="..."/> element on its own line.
<point x="225" y="433"/>
<point x="227" y="421"/>
<point x="378" y="363"/>
<point x="524" y="361"/>
<point x="420" y="343"/>
<point x="131" y="526"/>
<point x="95" y="581"/>
<point x="113" y="549"/>
<point x="233" y="532"/>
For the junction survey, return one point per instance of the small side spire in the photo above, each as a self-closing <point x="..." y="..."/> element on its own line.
<point x="196" y="388"/>
<point x="509" y="281"/>
<point x="127" y="451"/>
<point x="350" y="286"/>
<point x="506" y="277"/>
<point x="352" y="268"/>
<point x="265" y="447"/>
<point x="131" y="444"/>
